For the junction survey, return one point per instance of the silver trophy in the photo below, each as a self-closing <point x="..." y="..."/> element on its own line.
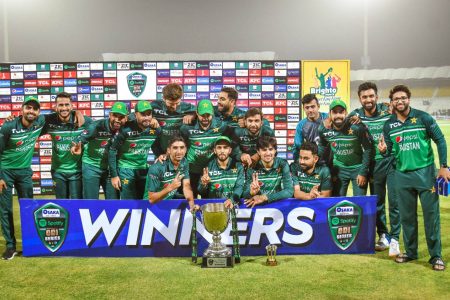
<point x="215" y="218"/>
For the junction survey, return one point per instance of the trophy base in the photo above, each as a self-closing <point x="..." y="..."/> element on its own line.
<point x="271" y="262"/>
<point x="217" y="262"/>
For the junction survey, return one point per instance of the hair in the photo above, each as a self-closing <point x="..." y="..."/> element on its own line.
<point x="309" y="146"/>
<point x="63" y="95"/>
<point x="308" y="98"/>
<point x="367" y="86"/>
<point x="265" y="142"/>
<point x="172" y="91"/>
<point x="253" y="111"/>
<point x="231" y="92"/>
<point x="174" y="139"/>
<point x="399" y="88"/>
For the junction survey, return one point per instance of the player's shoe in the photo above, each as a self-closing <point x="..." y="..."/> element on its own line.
<point x="394" y="248"/>
<point x="9" y="254"/>
<point x="382" y="243"/>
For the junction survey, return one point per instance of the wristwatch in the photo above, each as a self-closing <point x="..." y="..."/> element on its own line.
<point x="444" y="165"/>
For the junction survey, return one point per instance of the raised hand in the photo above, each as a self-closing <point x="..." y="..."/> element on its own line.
<point x="314" y="193"/>
<point x="76" y="148"/>
<point x="254" y="186"/>
<point x="205" y="179"/>
<point x="382" y="147"/>
<point x="176" y="182"/>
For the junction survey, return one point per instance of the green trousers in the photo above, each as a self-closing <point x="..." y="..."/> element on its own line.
<point x="67" y="185"/>
<point x="133" y="183"/>
<point x="409" y="185"/>
<point x="21" y="180"/>
<point x="384" y="174"/>
<point x="341" y="180"/>
<point x="93" y="178"/>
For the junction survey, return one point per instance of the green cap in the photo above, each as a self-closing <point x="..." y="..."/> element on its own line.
<point x="120" y="108"/>
<point x="29" y="99"/>
<point x="205" y="107"/>
<point x="222" y="138"/>
<point x="338" y="102"/>
<point x="142" y="106"/>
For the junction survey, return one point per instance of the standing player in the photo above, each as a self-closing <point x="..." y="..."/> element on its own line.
<point x="374" y="115"/>
<point x="200" y="138"/>
<point x="310" y="180"/>
<point x="17" y="139"/>
<point x="246" y="138"/>
<point x="271" y="178"/>
<point x="127" y="156"/>
<point x="166" y="178"/>
<point x="226" y="108"/>
<point x="64" y="127"/>
<point x="407" y="135"/>
<point x="171" y="113"/>
<point x="96" y="140"/>
<point x="352" y="149"/>
<point x="307" y="128"/>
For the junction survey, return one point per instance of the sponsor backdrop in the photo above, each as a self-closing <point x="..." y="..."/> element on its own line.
<point x="341" y="225"/>
<point x="328" y="79"/>
<point x="273" y="86"/>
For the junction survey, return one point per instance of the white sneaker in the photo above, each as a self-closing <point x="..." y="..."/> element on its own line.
<point x="394" y="248"/>
<point x="382" y="243"/>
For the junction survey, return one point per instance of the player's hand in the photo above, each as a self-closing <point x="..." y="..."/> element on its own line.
<point x="79" y="118"/>
<point x="176" y="182"/>
<point x="161" y="158"/>
<point x="10" y="118"/>
<point x="76" y="148"/>
<point x="314" y="193"/>
<point x="355" y="119"/>
<point x="154" y="123"/>
<point x="444" y="173"/>
<point x="205" y="179"/>
<point x="255" y="158"/>
<point x="241" y="122"/>
<point x="228" y="204"/>
<point x="246" y="159"/>
<point x="255" y="200"/>
<point x="2" y="185"/>
<point x="361" y="180"/>
<point x="382" y="147"/>
<point x="188" y="119"/>
<point x="193" y="207"/>
<point x="327" y="123"/>
<point x="254" y="186"/>
<point x="115" y="181"/>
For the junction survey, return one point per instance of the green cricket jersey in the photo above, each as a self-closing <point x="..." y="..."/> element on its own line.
<point x="275" y="182"/>
<point x="17" y="143"/>
<point x="246" y="142"/>
<point x="352" y="146"/>
<point x="161" y="175"/>
<point x="320" y="176"/>
<point x="62" y="135"/>
<point x="410" y="141"/>
<point x="200" y="143"/>
<point x="231" y="120"/>
<point x="96" y="139"/>
<point x="374" y="123"/>
<point x="130" y="147"/>
<point x="170" y="122"/>
<point x="225" y="183"/>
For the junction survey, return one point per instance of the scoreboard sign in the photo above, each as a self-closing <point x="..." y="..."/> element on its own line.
<point x="273" y="86"/>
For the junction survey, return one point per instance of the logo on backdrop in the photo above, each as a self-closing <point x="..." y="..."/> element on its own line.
<point x="51" y="222"/>
<point x="344" y="221"/>
<point x="136" y="83"/>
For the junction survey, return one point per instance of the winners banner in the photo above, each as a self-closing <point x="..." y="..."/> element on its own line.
<point x="134" y="228"/>
<point x="328" y="79"/>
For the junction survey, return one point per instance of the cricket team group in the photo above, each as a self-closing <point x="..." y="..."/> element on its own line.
<point x="221" y="151"/>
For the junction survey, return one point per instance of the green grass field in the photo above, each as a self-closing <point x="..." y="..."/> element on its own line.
<point x="300" y="276"/>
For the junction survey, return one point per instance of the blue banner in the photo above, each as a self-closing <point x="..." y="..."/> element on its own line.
<point x="126" y="228"/>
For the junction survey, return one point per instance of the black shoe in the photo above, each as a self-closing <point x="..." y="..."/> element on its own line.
<point x="9" y="254"/>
